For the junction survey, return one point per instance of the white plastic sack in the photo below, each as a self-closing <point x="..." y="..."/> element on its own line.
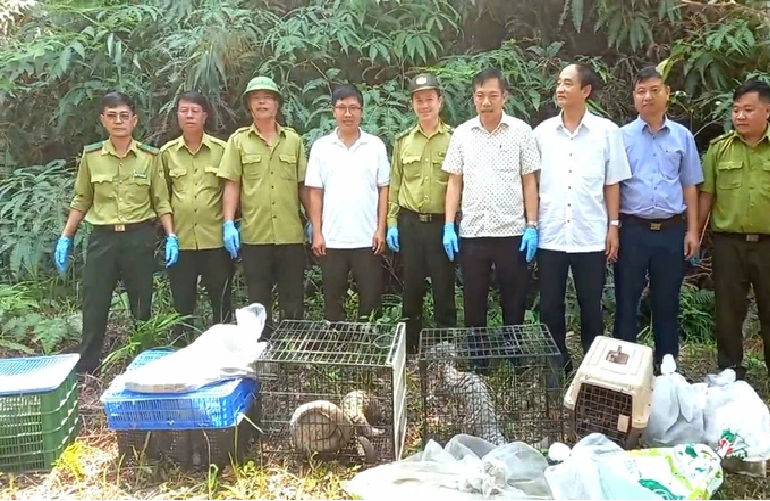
<point x="221" y="353"/>
<point x="725" y="414"/>
<point x="467" y="468"/>
<point x="599" y="469"/>
<point x="677" y="409"/>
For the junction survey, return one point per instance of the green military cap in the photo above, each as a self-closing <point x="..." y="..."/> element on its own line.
<point x="260" y="83"/>
<point x="424" y="81"/>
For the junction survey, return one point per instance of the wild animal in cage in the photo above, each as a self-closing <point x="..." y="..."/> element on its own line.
<point x="501" y="384"/>
<point x="334" y="389"/>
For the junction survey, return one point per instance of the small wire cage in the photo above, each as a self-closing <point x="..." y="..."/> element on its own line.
<point x="501" y="384"/>
<point x="334" y="391"/>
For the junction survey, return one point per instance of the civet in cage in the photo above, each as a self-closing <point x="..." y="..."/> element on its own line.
<point x="501" y="384"/>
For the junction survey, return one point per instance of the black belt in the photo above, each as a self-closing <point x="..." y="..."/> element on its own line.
<point x="653" y="224"/>
<point x="423" y="218"/>
<point x="746" y="237"/>
<point x="118" y="228"/>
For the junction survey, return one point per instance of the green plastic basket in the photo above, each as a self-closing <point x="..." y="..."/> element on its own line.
<point x="36" y="422"/>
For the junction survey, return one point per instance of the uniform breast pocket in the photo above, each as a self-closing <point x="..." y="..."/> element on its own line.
<point x="729" y="175"/>
<point x="252" y="168"/>
<point x="138" y="188"/>
<point x="672" y="159"/>
<point x="438" y="161"/>
<point x="103" y="185"/>
<point x="210" y="177"/>
<point x="288" y="167"/>
<point x="766" y="175"/>
<point x="412" y="167"/>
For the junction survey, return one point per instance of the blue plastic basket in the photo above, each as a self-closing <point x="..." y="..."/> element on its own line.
<point x="219" y="405"/>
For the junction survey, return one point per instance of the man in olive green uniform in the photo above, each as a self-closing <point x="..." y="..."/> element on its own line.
<point x="736" y="190"/>
<point x="120" y="190"/>
<point x="264" y="168"/>
<point x="190" y="165"/>
<point x="416" y="210"/>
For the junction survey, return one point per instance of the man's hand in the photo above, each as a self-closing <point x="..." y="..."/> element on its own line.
<point x="61" y="253"/>
<point x="451" y="245"/>
<point x="231" y="238"/>
<point x="613" y="244"/>
<point x="529" y="243"/>
<point x="378" y="241"/>
<point x="691" y="244"/>
<point x="172" y="250"/>
<point x="319" y="244"/>
<point x="392" y="238"/>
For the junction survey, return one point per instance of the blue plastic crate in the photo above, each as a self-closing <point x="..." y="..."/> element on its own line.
<point x="219" y="405"/>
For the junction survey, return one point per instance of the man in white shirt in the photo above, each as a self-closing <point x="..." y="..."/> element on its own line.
<point x="582" y="161"/>
<point x="347" y="179"/>
<point x="491" y="161"/>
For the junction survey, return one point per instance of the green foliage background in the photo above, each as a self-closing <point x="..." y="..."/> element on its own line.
<point x="58" y="57"/>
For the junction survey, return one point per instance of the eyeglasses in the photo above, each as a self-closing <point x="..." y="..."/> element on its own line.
<point x="654" y="92"/>
<point x="113" y="117"/>
<point x="348" y="109"/>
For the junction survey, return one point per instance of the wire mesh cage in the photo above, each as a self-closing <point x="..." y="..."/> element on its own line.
<point x="502" y="384"/>
<point x="335" y="391"/>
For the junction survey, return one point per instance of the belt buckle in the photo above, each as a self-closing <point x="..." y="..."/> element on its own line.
<point x="752" y="238"/>
<point x="120" y="227"/>
<point x="655" y="226"/>
<point x="426" y="218"/>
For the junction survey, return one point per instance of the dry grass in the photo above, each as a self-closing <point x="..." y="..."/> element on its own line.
<point x="89" y="469"/>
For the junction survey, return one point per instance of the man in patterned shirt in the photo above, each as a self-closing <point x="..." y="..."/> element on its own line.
<point x="492" y="160"/>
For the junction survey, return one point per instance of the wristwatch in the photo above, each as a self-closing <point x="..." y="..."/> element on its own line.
<point x="532" y="224"/>
<point x="614" y="222"/>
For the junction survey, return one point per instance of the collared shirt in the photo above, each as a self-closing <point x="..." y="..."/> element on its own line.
<point x="350" y="179"/>
<point x="269" y="177"/>
<point x="491" y="164"/>
<point x="417" y="182"/>
<point x="739" y="177"/>
<point x="574" y="169"/>
<point x="196" y="191"/>
<point x="115" y="190"/>
<point x="662" y="163"/>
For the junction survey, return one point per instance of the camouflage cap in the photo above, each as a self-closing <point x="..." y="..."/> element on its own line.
<point x="424" y="81"/>
<point x="260" y="83"/>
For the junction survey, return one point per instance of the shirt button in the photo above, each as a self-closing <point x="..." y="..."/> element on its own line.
<point x="569" y="187"/>
<point x="655" y="154"/>
<point x="570" y="171"/>
<point x="570" y="154"/>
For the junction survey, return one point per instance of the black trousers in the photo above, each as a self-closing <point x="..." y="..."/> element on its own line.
<point x="654" y="248"/>
<point x="127" y="255"/>
<point x="739" y="261"/>
<point x="588" y="272"/>
<point x="367" y="274"/>
<point x="420" y="239"/>
<point x="477" y="255"/>
<point x="215" y="269"/>
<point x="283" y="266"/>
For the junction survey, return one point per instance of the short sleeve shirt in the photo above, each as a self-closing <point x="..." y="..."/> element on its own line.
<point x="269" y="178"/>
<point x="350" y="179"/>
<point x="574" y="169"/>
<point x="114" y="190"/>
<point x="491" y="165"/>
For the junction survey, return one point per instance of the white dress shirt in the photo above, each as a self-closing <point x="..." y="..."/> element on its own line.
<point x="574" y="169"/>
<point x="350" y="179"/>
<point x="491" y="164"/>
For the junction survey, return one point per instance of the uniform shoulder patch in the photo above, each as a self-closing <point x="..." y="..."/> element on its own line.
<point x="218" y="141"/>
<point x="721" y="138"/>
<point x="450" y="129"/>
<point x="93" y="147"/>
<point x="146" y="147"/>
<point x="241" y="130"/>
<point x="406" y="132"/>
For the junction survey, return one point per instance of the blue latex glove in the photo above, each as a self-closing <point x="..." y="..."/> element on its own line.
<point x="392" y="238"/>
<point x="451" y="245"/>
<point x="695" y="260"/>
<point x="231" y="238"/>
<point x="172" y="250"/>
<point x="61" y="253"/>
<point x="309" y="232"/>
<point x="529" y="242"/>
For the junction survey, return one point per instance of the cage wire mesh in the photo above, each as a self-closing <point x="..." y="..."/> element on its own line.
<point x="501" y="384"/>
<point x="334" y="391"/>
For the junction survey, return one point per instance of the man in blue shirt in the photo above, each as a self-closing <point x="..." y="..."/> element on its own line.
<point x="658" y="215"/>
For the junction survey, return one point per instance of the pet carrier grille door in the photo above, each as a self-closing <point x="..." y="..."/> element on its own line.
<point x="611" y="392"/>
